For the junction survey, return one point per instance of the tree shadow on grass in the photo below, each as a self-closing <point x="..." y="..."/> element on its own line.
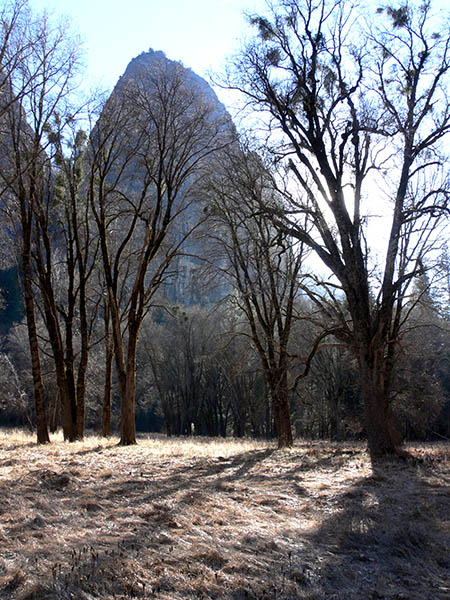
<point x="386" y="540"/>
<point x="94" y="450"/>
<point x="19" y="446"/>
<point x="100" y="556"/>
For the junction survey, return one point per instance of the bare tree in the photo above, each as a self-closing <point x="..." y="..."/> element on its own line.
<point x="264" y="268"/>
<point x="148" y="153"/>
<point x="16" y="46"/>
<point x="358" y="121"/>
<point x="34" y="90"/>
<point x="64" y="257"/>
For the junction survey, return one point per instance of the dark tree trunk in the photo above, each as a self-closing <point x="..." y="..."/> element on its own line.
<point x="41" y="419"/>
<point x="82" y="366"/>
<point x="62" y="356"/>
<point x="81" y="404"/>
<point x="54" y="412"/>
<point x="107" y="389"/>
<point x="106" y="422"/>
<point x="68" y="409"/>
<point x="26" y="217"/>
<point x="375" y="360"/>
<point x="383" y="437"/>
<point x="279" y="393"/>
<point x="127" y="401"/>
<point x="69" y="375"/>
<point x="127" y="412"/>
<point x="282" y="417"/>
<point x="126" y="373"/>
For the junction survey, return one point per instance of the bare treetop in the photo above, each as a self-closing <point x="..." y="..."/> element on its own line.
<point x="356" y="117"/>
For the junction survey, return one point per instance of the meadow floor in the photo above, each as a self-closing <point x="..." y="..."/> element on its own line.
<point x="196" y="518"/>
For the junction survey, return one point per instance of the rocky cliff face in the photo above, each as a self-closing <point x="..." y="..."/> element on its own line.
<point x="155" y="61"/>
<point x="185" y="113"/>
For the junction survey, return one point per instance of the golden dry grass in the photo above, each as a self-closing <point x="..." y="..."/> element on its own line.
<point x="202" y="518"/>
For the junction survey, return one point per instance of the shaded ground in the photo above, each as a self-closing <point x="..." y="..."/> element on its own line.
<point x="174" y="519"/>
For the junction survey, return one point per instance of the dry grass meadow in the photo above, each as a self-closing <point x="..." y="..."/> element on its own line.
<point x="177" y="518"/>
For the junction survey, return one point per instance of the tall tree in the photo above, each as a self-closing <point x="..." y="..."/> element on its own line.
<point x="64" y="257"/>
<point x="148" y="154"/>
<point x="34" y="91"/>
<point x="263" y="267"/>
<point x="358" y="118"/>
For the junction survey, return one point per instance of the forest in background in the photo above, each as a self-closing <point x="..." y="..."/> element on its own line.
<point x="157" y="260"/>
<point x="206" y="380"/>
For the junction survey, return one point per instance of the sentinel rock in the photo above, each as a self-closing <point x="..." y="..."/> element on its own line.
<point x="153" y="79"/>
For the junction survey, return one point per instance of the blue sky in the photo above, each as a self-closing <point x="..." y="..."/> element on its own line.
<point x="200" y="33"/>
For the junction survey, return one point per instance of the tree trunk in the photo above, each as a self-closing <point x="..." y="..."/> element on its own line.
<point x="127" y="412"/>
<point x="282" y="420"/>
<point x="278" y="389"/>
<point x="107" y="389"/>
<point x="82" y="367"/>
<point x="127" y="402"/>
<point x="64" y="376"/>
<point x="383" y="437"/>
<point x="68" y="411"/>
<point x="106" y="423"/>
<point x="280" y="407"/>
<point x="54" y="410"/>
<point x="81" y="408"/>
<point x="69" y="375"/>
<point x="41" y="419"/>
